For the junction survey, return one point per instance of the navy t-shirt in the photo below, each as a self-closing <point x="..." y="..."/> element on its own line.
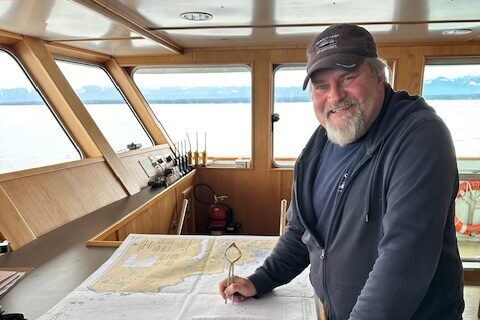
<point x="332" y="174"/>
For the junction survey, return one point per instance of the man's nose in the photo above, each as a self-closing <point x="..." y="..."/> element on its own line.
<point x="336" y="93"/>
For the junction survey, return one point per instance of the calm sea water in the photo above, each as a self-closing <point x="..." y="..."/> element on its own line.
<point x="30" y="136"/>
<point x="229" y="127"/>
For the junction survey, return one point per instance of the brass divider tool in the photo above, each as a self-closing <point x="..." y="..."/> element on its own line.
<point x="232" y="255"/>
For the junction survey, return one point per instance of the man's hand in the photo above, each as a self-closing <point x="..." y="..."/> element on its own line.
<point x="239" y="290"/>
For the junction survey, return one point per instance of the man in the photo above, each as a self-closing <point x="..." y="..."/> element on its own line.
<point x="373" y="196"/>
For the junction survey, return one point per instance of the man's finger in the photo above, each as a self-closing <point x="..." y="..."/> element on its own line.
<point x="221" y="288"/>
<point x="232" y="289"/>
<point x="238" y="298"/>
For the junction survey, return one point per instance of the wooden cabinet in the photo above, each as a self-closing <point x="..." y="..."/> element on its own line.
<point x="158" y="216"/>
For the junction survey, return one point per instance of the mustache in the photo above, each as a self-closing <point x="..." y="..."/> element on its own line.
<point x="344" y="104"/>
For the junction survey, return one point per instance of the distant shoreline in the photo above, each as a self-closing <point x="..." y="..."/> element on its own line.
<point x="234" y="100"/>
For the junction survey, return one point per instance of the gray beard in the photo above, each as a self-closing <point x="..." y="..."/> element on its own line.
<point x="354" y="129"/>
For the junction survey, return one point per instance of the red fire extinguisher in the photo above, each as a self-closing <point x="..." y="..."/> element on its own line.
<point x="220" y="215"/>
<point x="217" y="216"/>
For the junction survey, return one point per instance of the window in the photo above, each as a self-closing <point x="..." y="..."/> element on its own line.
<point x="105" y="104"/>
<point x="297" y="118"/>
<point x="452" y="87"/>
<point x="215" y="101"/>
<point x="30" y="134"/>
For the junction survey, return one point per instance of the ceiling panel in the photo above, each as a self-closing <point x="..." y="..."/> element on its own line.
<point x="57" y="19"/>
<point x="300" y="36"/>
<point x="338" y="11"/>
<point x="166" y="13"/>
<point x="426" y="33"/>
<point x="452" y="10"/>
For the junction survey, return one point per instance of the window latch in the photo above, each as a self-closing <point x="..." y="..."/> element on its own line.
<point x="275" y="118"/>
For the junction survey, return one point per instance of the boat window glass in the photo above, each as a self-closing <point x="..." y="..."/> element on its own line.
<point x="215" y="101"/>
<point x="30" y="133"/>
<point x="452" y="87"/>
<point x="297" y="120"/>
<point x="108" y="108"/>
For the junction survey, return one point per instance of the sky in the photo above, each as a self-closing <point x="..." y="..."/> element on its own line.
<point x="84" y="75"/>
<point x="89" y="75"/>
<point x="10" y="77"/>
<point x="211" y="79"/>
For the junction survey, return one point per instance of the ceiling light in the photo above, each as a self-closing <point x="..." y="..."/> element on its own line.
<point x="456" y="32"/>
<point x="196" y="16"/>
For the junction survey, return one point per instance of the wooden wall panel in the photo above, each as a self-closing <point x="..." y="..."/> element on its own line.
<point x="253" y="195"/>
<point x="49" y="200"/>
<point x="50" y="168"/>
<point x="154" y="216"/>
<point x="261" y="115"/>
<point x="12" y="225"/>
<point x="8" y="38"/>
<point x="286" y="179"/>
<point x="112" y="237"/>
<point x="140" y="176"/>
<point x="134" y="225"/>
<point x="184" y="190"/>
<point x="189" y="221"/>
<point x="76" y="53"/>
<point x="156" y="219"/>
<point x="191" y="57"/>
<point x="409" y="72"/>
<point x="257" y="201"/>
<point x="162" y="215"/>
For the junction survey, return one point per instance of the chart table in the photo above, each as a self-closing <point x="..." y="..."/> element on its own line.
<point x="175" y="277"/>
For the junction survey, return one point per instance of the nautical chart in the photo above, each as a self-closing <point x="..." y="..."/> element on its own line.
<point x="175" y="277"/>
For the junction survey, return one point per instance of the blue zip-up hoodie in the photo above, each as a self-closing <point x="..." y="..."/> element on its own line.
<point x="391" y="251"/>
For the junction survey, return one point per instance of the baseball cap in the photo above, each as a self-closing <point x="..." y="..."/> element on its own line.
<point x="340" y="46"/>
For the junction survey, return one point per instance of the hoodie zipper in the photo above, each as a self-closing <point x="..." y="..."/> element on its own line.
<point x="341" y="186"/>
<point x="344" y="183"/>
<point x="322" y="252"/>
